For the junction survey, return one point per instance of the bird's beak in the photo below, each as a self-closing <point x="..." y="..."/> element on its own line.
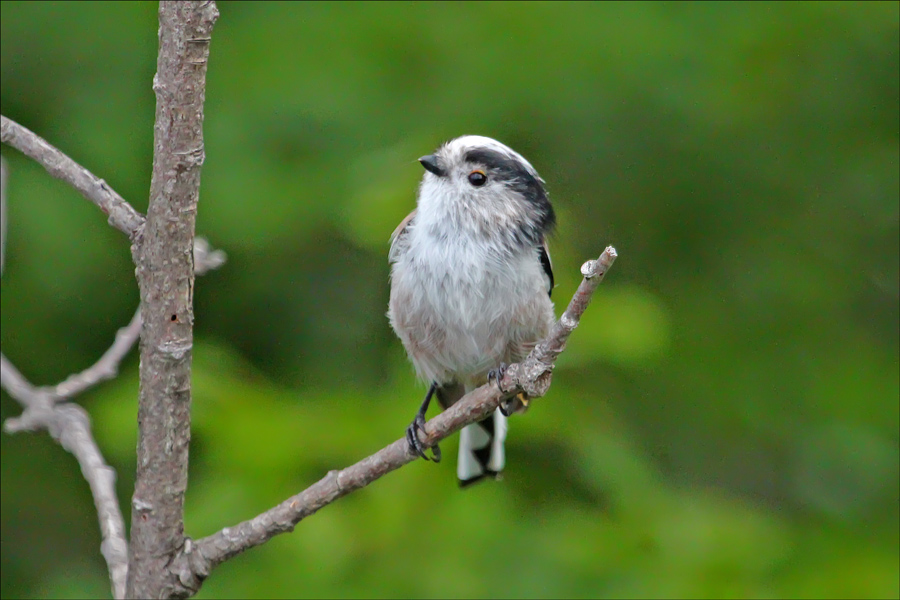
<point x="430" y="162"/>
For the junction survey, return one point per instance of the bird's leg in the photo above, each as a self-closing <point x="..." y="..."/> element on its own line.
<point x="412" y="432"/>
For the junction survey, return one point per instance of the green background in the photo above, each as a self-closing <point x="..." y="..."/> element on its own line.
<point x="724" y="423"/>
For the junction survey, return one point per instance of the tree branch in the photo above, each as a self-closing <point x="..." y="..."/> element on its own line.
<point x="205" y="258"/>
<point x="161" y="561"/>
<point x="163" y="255"/>
<point x="107" y="367"/>
<point x="532" y="376"/>
<point x="69" y="425"/>
<point x="121" y="214"/>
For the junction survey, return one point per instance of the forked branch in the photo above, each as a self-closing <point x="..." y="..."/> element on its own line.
<point x="531" y="376"/>
<point x="69" y="424"/>
<point x="47" y="407"/>
<point x="164" y="563"/>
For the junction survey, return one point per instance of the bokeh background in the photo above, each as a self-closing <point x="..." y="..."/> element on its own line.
<point x="724" y="422"/>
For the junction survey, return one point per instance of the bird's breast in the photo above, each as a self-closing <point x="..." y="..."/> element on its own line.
<point x="460" y="304"/>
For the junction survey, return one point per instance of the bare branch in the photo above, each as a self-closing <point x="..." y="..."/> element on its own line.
<point x="164" y="256"/>
<point x="121" y="215"/>
<point x="69" y="425"/>
<point x="108" y="365"/>
<point x="16" y="385"/>
<point x="532" y="376"/>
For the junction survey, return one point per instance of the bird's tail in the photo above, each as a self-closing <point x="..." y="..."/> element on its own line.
<point x="481" y="450"/>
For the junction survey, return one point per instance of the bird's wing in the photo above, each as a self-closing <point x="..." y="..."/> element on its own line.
<point x="548" y="266"/>
<point x="398" y="238"/>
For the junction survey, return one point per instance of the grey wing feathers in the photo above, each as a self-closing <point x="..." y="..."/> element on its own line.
<point x="398" y="237"/>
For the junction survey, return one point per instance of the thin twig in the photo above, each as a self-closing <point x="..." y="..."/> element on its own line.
<point x="532" y="376"/>
<point x="70" y="426"/>
<point x="121" y="215"/>
<point x="107" y="367"/>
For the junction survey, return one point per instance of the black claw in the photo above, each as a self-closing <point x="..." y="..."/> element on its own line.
<point x="504" y="410"/>
<point x="415" y="445"/>
<point x="497" y="374"/>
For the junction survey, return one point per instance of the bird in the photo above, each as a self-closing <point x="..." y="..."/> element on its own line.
<point x="470" y="285"/>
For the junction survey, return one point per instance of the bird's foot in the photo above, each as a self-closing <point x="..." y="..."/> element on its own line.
<point x="496" y="375"/>
<point x="415" y="445"/>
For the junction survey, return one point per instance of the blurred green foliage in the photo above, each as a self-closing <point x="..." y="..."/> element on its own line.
<point x="723" y="424"/>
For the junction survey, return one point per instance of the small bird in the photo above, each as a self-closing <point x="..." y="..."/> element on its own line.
<point x="471" y="280"/>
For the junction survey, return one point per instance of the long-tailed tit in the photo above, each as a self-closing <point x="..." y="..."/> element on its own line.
<point x="470" y="284"/>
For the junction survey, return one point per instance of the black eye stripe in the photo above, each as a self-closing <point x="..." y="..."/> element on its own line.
<point x="496" y="161"/>
<point x="516" y="176"/>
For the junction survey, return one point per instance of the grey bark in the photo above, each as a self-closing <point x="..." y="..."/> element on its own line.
<point x="163" y="254"/>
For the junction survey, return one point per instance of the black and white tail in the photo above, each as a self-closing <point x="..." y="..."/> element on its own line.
<point x="481" y="452"/>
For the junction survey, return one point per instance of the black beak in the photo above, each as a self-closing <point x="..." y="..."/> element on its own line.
<point x="430" y="162"/>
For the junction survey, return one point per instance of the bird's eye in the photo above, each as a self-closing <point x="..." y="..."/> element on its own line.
<point x="477" y="178"/>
